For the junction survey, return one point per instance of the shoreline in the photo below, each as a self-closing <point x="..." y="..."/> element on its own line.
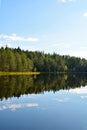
<point x="37" y="73"/>
<point x="19" y="73"/>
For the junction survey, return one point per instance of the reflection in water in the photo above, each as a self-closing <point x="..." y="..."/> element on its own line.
<point x="82" y="90"/>
<point x="15" y="106"/>
<point x="54" y="110"/>
<point x="18" y="85"/>
<point x="61" y="100"/>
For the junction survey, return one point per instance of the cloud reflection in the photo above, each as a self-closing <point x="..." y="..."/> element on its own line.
<point x="84" y="97"/>
<point x="82" y="90"/>
<point x="14" y="107"/>
<point x="61" y="100"/>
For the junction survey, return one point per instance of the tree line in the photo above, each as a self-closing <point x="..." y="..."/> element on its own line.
<point x="18" y="60"/>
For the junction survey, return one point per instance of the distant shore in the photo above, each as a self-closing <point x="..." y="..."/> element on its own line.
<point x="37" y="73"/>
<point x="19" y="73"/>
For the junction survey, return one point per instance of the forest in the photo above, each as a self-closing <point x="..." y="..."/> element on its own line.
<point x="17" y="60"/>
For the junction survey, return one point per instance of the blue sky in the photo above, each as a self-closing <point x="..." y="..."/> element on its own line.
<point x="45" y="25"/>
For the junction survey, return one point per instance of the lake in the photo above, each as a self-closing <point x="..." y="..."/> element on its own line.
<point x="43" y="102"/>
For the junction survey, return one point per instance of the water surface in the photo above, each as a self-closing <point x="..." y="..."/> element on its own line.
<point x="43" y="102"/>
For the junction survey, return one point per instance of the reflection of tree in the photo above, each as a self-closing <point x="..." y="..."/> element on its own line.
<point x="14" y="85"/>
<point x="17" y="85"/>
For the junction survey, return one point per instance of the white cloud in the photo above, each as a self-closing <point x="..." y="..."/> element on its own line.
<point x="14" y="107"/>
<point x="65" y="1"/>
<point x="83" y="47"/>
<point x="79" y="53"/>
<point x="15" y="37"/>
<point x="85" y="14"/>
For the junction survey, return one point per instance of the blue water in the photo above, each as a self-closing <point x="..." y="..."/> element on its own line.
<point x="62" y="110"/>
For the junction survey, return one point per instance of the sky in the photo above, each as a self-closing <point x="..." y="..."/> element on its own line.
<point x="58" y="26"/>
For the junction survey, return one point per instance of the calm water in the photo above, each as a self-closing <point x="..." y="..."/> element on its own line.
<point x="43" y="102"/>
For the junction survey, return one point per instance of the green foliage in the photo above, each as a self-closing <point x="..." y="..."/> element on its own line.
<point x="17" y="60"/>
<point x="14" y="60"/>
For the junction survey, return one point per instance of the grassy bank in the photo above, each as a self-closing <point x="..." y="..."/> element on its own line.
<point x="19" y="73"/>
